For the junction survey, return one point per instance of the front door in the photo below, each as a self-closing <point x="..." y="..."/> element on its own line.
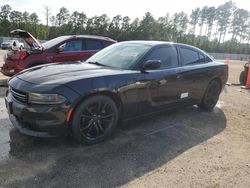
<point x="163" y="85"/>
<point x="69" y="51"/>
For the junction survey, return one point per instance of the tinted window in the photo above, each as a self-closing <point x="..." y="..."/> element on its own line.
<point x="106" y="43"/>
<point x="189" y="56"/>
<point x="167" y="56"/>
<point x="93" y="45"/>
<point x="204" y="58"/>
<point x="54" y="42"/>
<point x="72" y="46"/>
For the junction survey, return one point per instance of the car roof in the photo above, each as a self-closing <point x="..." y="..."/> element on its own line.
<point x="91" y="37"/>
<point x="147" y="42"/>
<point x="156" y="43"/>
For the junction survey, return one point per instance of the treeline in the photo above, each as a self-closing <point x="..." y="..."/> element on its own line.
<point x="225" y="28"/>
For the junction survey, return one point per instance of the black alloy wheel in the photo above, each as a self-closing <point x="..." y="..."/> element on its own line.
<point x="94" y="119"/>
<point x="211" y="96"/>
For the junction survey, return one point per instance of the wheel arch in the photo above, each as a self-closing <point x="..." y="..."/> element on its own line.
<point x="215" y="78"/>
<point x="114" y="96"/>
<point x="218" y="79"/>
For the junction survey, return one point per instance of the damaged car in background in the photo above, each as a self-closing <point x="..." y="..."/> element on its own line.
<point x="120" y="82"/>
<point x="60" y="49"/>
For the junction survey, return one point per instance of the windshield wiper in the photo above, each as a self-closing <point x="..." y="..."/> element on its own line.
<point x="95" y="63"/>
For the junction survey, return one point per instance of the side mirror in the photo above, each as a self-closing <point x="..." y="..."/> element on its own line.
<point x="151" y="65"/>
<point x="60" y="49"/>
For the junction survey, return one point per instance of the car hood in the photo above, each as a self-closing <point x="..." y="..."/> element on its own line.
<point x="28" y="38"/>
<point x="62" y="73"/>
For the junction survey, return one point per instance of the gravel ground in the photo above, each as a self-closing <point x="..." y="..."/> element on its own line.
<point x="182" y="148"/>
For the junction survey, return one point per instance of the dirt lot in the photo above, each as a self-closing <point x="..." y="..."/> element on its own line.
<point x="183" y="148"/>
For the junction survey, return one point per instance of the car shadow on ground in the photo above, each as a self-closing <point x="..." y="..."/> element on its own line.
<point x="138" y="147"/>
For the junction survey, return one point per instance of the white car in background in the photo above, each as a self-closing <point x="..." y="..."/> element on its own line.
<point x="9" y="44"/>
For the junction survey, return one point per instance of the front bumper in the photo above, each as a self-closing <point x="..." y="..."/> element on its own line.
<point x="38" y="120"/>
<point x="10" y="68"/>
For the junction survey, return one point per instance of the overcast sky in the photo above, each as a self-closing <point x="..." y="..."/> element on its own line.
<point x="131" y="8"/>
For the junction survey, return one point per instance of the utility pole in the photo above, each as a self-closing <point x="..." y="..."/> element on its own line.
<point x="47" y="13"/>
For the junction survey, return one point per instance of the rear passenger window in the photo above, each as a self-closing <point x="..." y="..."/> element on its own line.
<point x="204" y="58"/>
<point x="189" y="56"/>
<point x="167" y="55"/>
<point x="93" y="45"/>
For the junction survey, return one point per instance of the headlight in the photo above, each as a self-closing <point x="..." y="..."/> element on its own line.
<point x="37" y="98"/>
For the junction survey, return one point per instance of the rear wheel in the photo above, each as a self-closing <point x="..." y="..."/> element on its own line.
<point x="243" y="78"/>
<point x="94" y="119"/>
<point x="211" y="96"/>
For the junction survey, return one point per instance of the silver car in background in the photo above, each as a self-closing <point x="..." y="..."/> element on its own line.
<point x="10" y="43"/>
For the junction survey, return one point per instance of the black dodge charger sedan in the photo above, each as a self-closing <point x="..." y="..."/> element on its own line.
<point x="122" y="81"/>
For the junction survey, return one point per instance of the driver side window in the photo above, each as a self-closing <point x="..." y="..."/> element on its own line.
<point x="167" y="55"/>
<point x="72" y="46"/>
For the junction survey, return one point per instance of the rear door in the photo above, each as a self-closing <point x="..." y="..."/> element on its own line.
<point x="91" y="46"/>
<point x="195" y="72"/>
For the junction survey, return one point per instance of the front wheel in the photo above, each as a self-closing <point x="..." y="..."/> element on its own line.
<point x="211" y="96"/>
<point x="94" y="119"/>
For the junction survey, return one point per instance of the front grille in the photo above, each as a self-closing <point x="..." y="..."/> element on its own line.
<point x="19" y="95"/>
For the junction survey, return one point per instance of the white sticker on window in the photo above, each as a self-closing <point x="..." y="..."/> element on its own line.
<point x="184" y="95"/>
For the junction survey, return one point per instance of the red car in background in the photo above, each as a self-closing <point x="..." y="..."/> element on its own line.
<point x="60" y="49"/>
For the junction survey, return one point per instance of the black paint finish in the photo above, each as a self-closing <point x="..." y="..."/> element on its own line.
<point x="136" y="92"/>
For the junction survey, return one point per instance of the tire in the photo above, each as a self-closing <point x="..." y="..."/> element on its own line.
<point x="94" y="119"/>
<point x="211" y="96"/>
<point x="243" y="78"/>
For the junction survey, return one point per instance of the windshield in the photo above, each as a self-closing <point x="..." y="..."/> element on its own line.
<point x="54" y="42"/>
<point x="120" y="55"/>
